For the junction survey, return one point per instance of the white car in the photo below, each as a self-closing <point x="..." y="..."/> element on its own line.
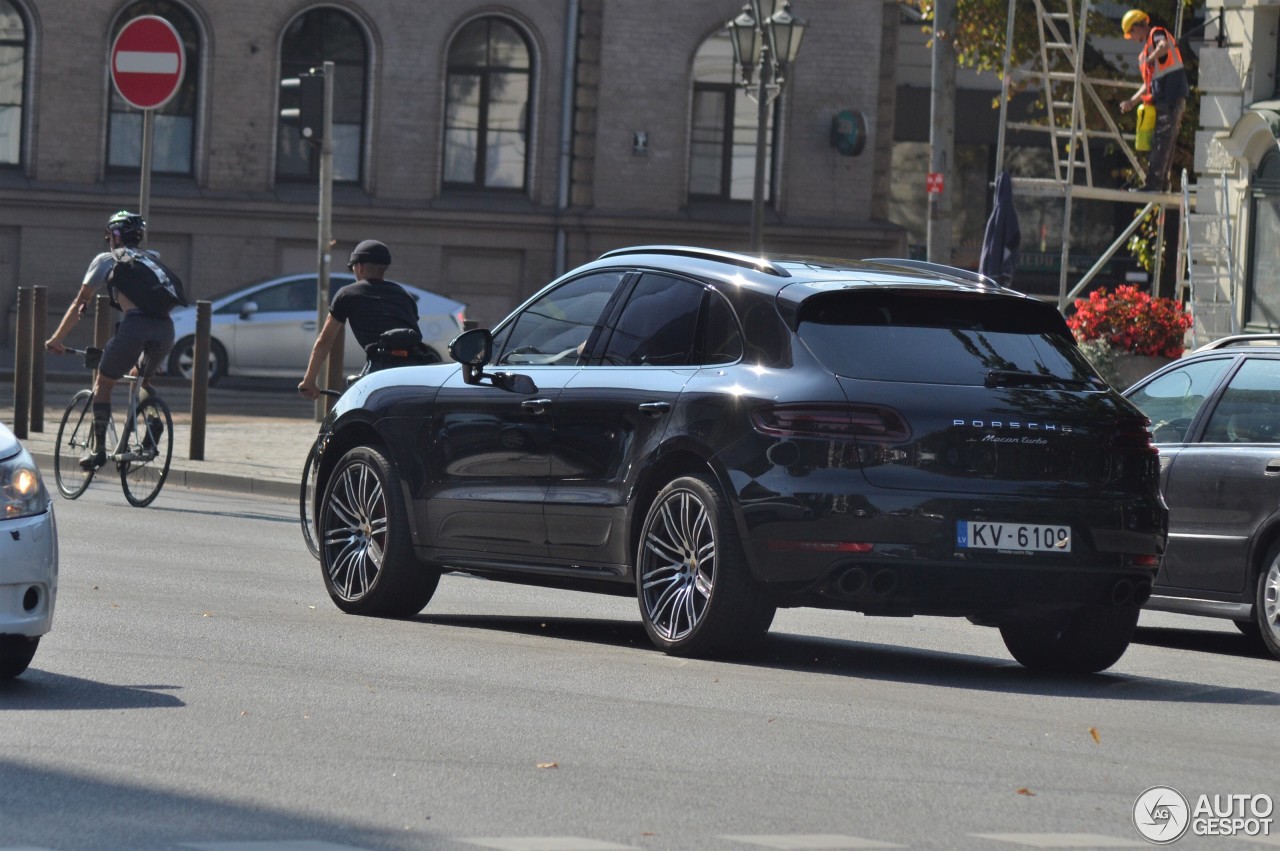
<point x="267" y="329"/>
<point x="28" y="557"/>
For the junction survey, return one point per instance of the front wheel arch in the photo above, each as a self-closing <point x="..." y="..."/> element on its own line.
<point x="367" y="558"/>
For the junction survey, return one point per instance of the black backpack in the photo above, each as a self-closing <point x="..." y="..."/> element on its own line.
<point x="146" y="282"/>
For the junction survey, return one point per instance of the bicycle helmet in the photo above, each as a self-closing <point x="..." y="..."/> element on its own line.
<point x="370" y="251"/>
<point x="128" y="227"/>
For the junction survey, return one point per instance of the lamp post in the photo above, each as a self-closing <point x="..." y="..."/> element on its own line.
<point x="764" y="47"/>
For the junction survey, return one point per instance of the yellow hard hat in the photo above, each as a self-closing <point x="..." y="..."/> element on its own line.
<point x="1132" y="17"/>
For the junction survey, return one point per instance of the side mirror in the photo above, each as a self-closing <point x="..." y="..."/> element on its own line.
<point x="473" y="349"/>
<point x="248" y="309"/>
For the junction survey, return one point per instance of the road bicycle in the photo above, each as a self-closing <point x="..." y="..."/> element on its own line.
<point x="398" y="347"/>
<point x="141" y="448"/>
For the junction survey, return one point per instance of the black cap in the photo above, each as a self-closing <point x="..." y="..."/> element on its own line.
<point x="371" y="251"/>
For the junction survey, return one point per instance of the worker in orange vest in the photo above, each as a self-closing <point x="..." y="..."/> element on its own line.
<point x="1164" y="86"/>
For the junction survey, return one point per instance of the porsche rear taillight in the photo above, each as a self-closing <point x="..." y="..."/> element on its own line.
<point x="875" y="423"/>
<point x="1133" y="436"/>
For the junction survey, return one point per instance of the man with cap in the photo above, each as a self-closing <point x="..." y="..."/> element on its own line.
<point x="372" y="305"/>
<point x="1164" y="85"/>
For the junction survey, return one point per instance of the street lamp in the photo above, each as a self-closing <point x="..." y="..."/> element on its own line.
<point x="764" y="47"/>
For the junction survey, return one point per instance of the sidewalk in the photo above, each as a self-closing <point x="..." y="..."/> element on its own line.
<point x="255" y="443"/>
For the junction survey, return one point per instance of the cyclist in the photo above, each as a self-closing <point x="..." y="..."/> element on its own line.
<point x="372" y="304"/>
<point x="139" y="330"/>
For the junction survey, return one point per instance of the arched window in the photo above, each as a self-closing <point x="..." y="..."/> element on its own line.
<point x="722" y="133"/>
<point x="487" y="112"/>
<point x="173" y="142"/>
<point x="313" y="38"/>
<point x="13" y="67"/>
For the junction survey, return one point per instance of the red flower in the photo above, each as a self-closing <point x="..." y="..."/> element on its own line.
<point x="1131" y="320"/>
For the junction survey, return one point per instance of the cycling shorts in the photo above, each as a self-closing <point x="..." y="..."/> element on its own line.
<point x="136" y="333"/>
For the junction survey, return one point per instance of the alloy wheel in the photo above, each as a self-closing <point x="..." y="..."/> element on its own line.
<point x="677" y="571"/>
<point x="1269" y="599"/>
<point x="355" y="531"/>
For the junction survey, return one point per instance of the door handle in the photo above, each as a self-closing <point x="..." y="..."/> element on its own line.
<point x="535" y="406"/>
<point x="309" y="325"/>
<point x="1273" y="467"/>
<point x="654" y="409"/>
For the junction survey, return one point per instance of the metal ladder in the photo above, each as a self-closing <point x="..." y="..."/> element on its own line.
<point x="1058" y="51"/>
<point x="1207" y="282"/>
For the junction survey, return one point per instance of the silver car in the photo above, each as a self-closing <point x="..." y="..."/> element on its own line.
<point x="267" y="329"/>
<point x="28" y="557"/>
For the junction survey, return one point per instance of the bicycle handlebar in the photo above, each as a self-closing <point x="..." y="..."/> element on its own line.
<point x="92" y="355"/>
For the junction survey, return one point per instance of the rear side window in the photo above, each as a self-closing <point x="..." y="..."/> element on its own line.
<point x="940" y="337"/>
<point x="1249" y="410"/>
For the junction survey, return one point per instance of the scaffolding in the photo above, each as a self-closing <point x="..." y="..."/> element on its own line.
<point x="1066" y="93"/>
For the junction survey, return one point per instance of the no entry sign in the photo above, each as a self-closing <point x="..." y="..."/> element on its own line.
<point x="147" y="62"/>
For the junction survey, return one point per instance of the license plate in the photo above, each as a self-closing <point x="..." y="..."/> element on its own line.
<point x="1019" y="537"/>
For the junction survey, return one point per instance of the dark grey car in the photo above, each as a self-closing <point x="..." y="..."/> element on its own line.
<point x="1215" y="417"/>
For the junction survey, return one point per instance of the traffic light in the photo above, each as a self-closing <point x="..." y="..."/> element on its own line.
<point x="307" y="91"/>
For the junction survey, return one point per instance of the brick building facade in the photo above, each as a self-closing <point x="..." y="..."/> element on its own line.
<point x="611" y="139"/>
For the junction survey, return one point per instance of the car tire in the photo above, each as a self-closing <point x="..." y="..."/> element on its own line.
<point x="696" y="595"/>
<point x="366" y="555"/>
<point x="16" y="653"/>
<point x="1082" y="641"/>
<point x="1266" y="603"/>
<point x="184" y="354"/>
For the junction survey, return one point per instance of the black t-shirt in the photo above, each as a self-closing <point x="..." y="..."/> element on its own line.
<point x="373" y="307"/>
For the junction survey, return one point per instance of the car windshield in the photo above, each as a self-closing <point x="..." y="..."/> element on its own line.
<point x="942" y="338"/>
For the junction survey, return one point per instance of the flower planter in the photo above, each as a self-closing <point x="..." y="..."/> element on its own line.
<point x="1130" y="368"/>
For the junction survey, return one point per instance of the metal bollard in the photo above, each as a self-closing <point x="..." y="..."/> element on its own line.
<point x="335" y="376"/>
<point x="40" y="315"/>
<point x="22" y="365"/>
<point x="200" y="380"/>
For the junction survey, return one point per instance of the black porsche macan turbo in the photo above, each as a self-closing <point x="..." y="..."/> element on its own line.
<point x="721" y="435"/>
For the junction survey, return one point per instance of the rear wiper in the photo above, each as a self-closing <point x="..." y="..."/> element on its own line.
<point x="1015" y="378"/>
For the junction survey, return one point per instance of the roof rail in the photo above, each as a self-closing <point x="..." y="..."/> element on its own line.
<point x="938" y="269"/>
<point x="1240" y="340"/>
<point x="760" y="264"/>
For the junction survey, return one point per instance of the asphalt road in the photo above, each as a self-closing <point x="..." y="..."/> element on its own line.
<point x="199" y="690"/>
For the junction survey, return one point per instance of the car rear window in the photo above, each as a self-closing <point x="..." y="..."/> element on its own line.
<point x="940" y="337"/>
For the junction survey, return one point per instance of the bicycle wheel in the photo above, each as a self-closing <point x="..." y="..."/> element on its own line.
<point x="145" y="464"/>
<point x="75" y="434"/>
<point x="307" y="503"/>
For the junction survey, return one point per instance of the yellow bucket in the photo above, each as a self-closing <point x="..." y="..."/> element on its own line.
<point x="1146" y="129"/>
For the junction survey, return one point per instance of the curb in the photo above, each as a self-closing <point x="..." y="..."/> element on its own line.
<point x="201" y="480"/>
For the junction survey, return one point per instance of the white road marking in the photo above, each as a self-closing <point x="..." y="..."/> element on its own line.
<point x="803" y="842"/>
<point x="546" y="843"/>
<point x="1063" y="840"/>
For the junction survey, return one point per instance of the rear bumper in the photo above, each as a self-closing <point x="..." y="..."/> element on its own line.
<point x="982" y="593"/>
<point x="899" y="555"/>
